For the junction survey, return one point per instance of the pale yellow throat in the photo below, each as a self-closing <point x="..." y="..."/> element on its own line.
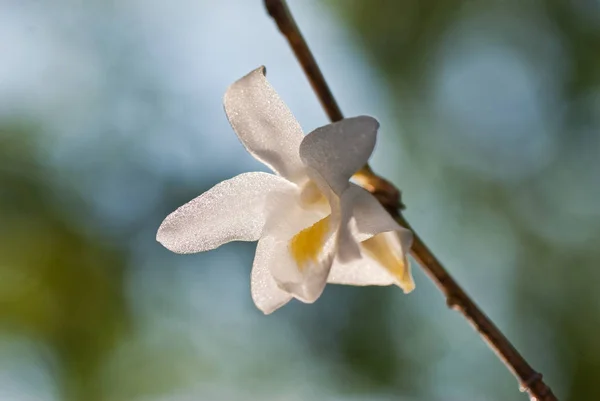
<point x="306" y="246"/>
<point x="381" y="247"/>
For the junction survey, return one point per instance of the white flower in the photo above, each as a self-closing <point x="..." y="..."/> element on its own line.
<point x="312" y="225"/>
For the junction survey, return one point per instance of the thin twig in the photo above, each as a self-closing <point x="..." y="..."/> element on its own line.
<point x="529" y="380"/>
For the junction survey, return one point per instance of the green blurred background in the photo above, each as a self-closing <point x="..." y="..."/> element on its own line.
<point x="111" y="117"/>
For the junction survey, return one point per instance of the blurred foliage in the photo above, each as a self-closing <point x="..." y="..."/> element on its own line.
<point x="363" y="343"/>
<point x="60" y="286"/>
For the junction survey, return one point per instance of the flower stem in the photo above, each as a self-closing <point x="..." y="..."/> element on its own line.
<point x="456" y="298"/>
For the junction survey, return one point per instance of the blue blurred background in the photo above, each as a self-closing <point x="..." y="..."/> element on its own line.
<point x="111" y="117"/>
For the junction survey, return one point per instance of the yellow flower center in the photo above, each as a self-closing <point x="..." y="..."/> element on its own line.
<point x="307" y="244"/>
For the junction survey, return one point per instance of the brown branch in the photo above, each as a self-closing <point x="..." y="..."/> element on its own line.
<point x="529" y="380"/>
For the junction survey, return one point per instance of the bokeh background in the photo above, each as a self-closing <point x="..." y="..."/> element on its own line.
<point x="111" y="117"/>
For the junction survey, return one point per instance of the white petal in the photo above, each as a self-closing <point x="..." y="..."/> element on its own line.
<point x="264" y="124"/>
<point x="389" y="252"/>
<point x="346" y="242"/>
<point x="383" y="244"/>
<point x="308" y="285"/>
<point x="303" y="275"/>
<point x="362" y="217"/>
<point x="383" y="262"/>
<point x="267" y="296"/>
<point x="360" y="272"/>
<point x="371" y="218"/>
<point x="336" y="151"/>
<point x="233" y="210"/>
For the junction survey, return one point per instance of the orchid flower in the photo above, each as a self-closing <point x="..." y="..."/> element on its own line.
<point x="312" y="224"/>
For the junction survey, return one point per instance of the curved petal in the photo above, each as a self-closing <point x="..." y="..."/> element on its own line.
<point x="362" y="217"/>
<point x="267" y="296"/>
<point x="383" y="245"/>
<point x="371" y="218"/>
<point x="389" y="252"/>
<point x="336" y="151"/>
<point x="233" y="210"/>
<point x="264" y="124"/>
<point x="360" y="272"/>
<point x="383" y="262"/>
<point x="302" y="252"/>
<point x="347" y="243"/>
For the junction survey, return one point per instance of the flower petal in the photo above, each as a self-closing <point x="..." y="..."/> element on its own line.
<point x="264" y="124"/>
<point x="346" y="242"/>
<point x="304" y="278"/>
<point x="383" y="245"/>
<point x="389" y="252"/>
<point x="360" y="272"/>
<point x="267" y="296"/>
<point x="303" y="250"/>
<point x="371" y="218"/>
<point x="233" y="210"/>
<point x="383" y="262"/>
<point x="336" y="151"/>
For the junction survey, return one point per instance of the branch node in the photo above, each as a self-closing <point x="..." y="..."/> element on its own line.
<point x="527" y="384"/>
<point x="453" y="302"/>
